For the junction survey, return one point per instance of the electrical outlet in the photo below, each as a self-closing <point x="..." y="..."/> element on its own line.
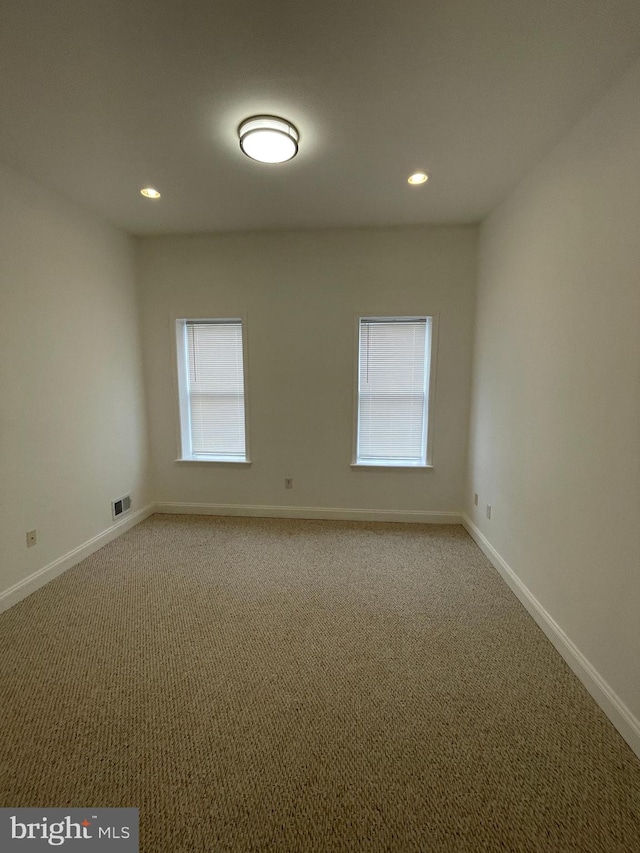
<point x="288" y="483"/>
<point x="488" y="510"/>
<point x="32" y="538"/>
<point x="475" y="499"/>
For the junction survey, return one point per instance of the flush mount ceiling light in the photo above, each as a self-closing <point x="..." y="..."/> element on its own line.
<point x="418" y="178"/>
<point x="268" y="139"/>
<point x="149" y="192"/>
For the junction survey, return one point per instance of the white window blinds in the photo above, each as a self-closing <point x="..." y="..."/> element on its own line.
<point x="393" y="390"/>
<point x="215" y="389"/>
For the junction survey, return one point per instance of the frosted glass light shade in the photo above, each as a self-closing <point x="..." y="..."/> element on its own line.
<point x="268" y="139"/>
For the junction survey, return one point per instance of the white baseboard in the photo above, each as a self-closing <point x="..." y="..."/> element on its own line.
<point x="622" y="718"/>
<point x="30" y="584"/>
<point x="259" y="511"/>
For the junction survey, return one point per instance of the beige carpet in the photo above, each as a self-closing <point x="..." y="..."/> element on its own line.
<point x="258" y="685"/>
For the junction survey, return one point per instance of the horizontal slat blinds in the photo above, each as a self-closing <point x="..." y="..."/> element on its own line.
<point x="216" y="389"/>
<point x="393" y="387"/>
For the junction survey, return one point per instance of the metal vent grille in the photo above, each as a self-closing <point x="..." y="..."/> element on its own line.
<point x="121" y="506"/>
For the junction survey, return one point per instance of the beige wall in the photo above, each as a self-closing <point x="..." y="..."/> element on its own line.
<point x="72" y="425"/>
<point x="301" y="292"/>
<point x="555" y="427"/>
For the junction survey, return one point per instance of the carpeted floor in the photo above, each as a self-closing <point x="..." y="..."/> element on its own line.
<point x="256" y="685"/>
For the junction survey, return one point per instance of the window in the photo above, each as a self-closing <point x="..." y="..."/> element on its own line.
<point x="394" y="383"/>
<point x="211" y="386"/>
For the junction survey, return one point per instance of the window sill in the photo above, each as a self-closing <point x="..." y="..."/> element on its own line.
<point x="385" y="466"/>
<point x="213" y="460"/>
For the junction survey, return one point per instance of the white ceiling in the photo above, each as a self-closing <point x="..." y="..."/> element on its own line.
<point x="101" y="97"/>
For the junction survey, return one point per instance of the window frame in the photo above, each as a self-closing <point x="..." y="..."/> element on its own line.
<point x="434" y="317"/>
<point x="183" y="423"/>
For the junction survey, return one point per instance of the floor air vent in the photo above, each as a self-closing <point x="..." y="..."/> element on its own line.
<point x="120" y="506"/>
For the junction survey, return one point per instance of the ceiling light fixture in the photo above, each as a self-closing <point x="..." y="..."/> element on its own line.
<point x="418" y="178"/>
<point x="150" y="192"/>
<point x="268" y="139"/>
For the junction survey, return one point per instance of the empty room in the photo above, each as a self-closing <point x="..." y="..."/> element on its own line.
<point x="320" y="426"/>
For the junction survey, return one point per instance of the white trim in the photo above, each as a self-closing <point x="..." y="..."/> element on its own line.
<point x="181" y="392"/>
<point x="384" y="466"/>
<point x="184" y="411"/>
<point x="41" y="577"/>
<point x="347" y="514"/>
<point x="431" y="387"/>
<point x="622" y="718"/>
<point x="433" y="323"/>
<point x="202" y="460"/>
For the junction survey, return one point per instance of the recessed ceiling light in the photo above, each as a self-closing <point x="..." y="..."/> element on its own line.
<point x="149" y="192"/>
<point x="418" y="178"/>
<point x="268" y="139"/>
